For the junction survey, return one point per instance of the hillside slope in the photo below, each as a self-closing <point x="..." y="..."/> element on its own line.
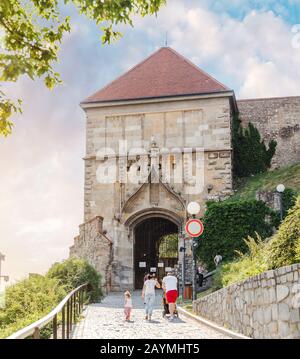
<point x="289" y="176"/>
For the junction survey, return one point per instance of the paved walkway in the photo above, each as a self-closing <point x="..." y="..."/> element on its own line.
<point x="105" y="320"/>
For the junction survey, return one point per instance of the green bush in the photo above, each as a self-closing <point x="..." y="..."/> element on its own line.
<point x="289" y="198"/>
<point x="281" y="250"/>
<point x="250" y="154"/>
<point x="283" y="245"/>
<point x="297" y="250"/>
<point x="27" y="301"/>
<point x="247" y="265"/>
<point x="227" y="223"/>
<point x="73" y="272"/>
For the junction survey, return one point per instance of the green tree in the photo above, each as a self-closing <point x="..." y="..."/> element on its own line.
<point x="168" y="247"/>
<point x="27" y="301"/>
<point x="250" y="154"/>
<point x="31" y="32"/>
<point x="73" y="272"/>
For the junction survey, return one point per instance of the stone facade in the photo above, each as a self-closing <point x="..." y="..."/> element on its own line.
<point x="264" y="306"/>
<point x="279" y="119"/>
<point x="94" y="245"/>
<point x="157" y="129"/>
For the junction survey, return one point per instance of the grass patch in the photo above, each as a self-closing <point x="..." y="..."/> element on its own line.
<point x="188" y="304"/>
<point x="289" y="176"/>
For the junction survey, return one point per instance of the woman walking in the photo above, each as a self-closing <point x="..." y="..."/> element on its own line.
<point x="148" y="294"/>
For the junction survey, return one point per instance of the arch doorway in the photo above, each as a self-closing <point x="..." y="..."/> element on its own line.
<point x="156" y="246"/>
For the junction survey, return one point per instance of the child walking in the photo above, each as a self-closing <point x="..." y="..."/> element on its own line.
<point x="127" y="305"/>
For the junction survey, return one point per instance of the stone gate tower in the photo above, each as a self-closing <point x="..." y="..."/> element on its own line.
<point x="157" y="138"/>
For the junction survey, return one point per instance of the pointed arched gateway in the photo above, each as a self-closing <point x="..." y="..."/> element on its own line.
<point x="166" y="126"/>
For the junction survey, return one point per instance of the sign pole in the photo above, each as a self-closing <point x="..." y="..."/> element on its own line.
<point x="194" y="270"/>
<point x="183" y="270"/>
<point x="194" y="228"/>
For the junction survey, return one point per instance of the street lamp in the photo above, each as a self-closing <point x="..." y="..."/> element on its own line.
<point x="280" y="189"/>
<point x="193" y="208"/>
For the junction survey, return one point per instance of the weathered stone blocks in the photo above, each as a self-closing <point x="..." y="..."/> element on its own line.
<point x="264" y="306"/>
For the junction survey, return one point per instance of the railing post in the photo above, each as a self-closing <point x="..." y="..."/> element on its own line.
<point x="71" y="312"/>
<point x="55" y="327"/>
<point x="63" y="326"/>
<point x="74" y="305"/>
<point x="79" y="301"/>
<point x="68" y="319"/>
<point x="36" y="334"/>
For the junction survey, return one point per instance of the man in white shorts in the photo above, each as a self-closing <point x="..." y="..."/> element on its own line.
<point x="169" y="284"/>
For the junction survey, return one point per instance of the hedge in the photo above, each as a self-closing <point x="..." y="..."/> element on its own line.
<point x="227" y="224"/>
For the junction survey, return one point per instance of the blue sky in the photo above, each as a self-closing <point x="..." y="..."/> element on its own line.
<point x="248" y="45"/>
<point x="289" y="11"/>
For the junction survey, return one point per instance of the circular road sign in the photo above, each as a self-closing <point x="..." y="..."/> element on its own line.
<point x="194" y="228"/>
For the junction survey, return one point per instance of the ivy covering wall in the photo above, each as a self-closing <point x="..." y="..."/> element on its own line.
<point x="227" y="224"/>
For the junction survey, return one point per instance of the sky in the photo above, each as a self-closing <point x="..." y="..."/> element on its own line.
<point x="252" y="47"/>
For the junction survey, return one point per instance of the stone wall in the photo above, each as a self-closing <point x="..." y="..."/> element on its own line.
<point x="271" y="198"/>
<point x="264" y="306"/>
<point x="279" y="119"/>
<point x="96" y="248"/>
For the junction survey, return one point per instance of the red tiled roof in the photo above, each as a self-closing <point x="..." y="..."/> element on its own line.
<point x="164" y="73"/>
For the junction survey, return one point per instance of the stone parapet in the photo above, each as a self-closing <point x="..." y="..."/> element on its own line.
<point x="264" y="306"/>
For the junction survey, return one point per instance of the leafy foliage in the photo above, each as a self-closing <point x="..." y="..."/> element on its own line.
<point x="283" y="245"/>
<point x="297" y="251"/>
<point x="32" y="298"/>
<point x="7" y="108"/>
<point x="28" y="301"/>
<point x="32" y="32"/>
<point x="168" y="247"/>
<point x="253" y="262"/>
<point x="288" y="200"/>
<point x="281" y="250"/>
<point x="250" y="153"/>
<point x="73" y="272"/>
<point x="227" y="224"/>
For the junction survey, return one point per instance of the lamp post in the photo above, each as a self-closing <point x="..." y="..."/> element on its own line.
<point x="280" y="189"/>
<point x="193" y="208"/>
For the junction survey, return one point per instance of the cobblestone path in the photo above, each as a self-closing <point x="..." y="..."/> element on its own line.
<point x="105" y="320"/>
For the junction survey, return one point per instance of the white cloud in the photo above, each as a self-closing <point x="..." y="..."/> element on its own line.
<point x="240" y="52"/>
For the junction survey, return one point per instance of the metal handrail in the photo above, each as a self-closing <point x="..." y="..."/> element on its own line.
<point x="72" y="304"/>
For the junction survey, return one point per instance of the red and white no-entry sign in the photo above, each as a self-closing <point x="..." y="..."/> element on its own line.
<point x="194" y="227"/>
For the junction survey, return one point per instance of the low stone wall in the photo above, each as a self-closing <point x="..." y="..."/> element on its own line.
<point x="264" y="306"/>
